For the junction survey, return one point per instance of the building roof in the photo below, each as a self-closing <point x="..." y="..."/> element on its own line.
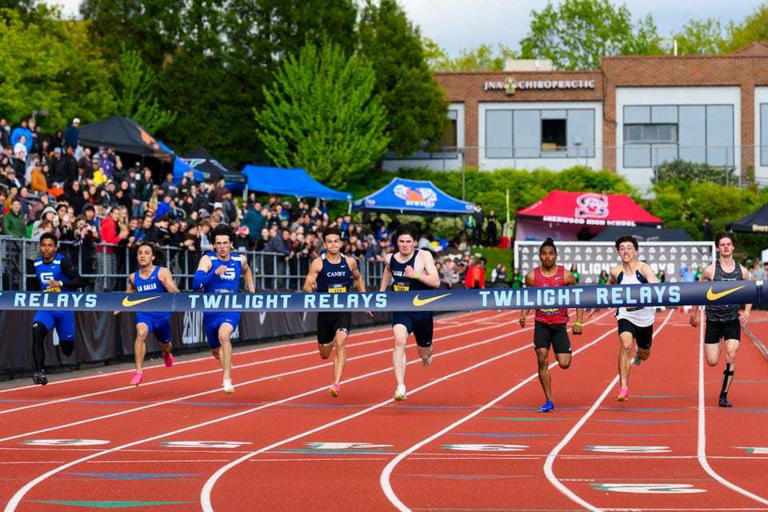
<point x="756" y="49"/>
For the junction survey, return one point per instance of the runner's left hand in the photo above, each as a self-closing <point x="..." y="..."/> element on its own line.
<point x="743" y="318"/>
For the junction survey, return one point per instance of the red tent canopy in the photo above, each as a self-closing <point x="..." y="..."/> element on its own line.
<point x="563" y="214"/>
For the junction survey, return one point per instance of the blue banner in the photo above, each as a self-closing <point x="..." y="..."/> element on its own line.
<point x="663" y="294"/>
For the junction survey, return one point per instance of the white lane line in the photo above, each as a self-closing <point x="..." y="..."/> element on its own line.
<point x="701" y="451"/>
<point x="384" y="478"/>
<point x="207" y="372"/>
<point x="217" y="389"/>
<point x="204" y="358"/>
<point x="550" y="460"/>
<point x="19" y="495"/>
<point x="205" y="495"/>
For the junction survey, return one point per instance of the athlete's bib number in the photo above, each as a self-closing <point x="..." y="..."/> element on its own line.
<point x="401" y="287"/>
<point x="337" y="289"/>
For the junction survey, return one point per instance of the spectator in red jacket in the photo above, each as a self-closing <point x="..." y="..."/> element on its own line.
<point x="111" y="235"/>
<point x="475" y="277"/>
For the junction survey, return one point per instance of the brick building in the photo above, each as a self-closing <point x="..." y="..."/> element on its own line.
<point x="634" y="113"/>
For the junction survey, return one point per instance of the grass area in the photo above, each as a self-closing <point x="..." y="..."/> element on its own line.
<point x="494" y="256"/>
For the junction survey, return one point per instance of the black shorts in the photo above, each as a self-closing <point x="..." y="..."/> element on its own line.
<point x="715" y="331"/>
<point x="329" y="323"/>
<point x="643" y="335"/>
<point x="555" y="335"/>
<point x="419" y="323"/>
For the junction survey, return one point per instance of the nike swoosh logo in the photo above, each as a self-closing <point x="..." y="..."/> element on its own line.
<point x="719" y="295"/>
<point x="423" y="302"/>
<point x="130" y="303"/>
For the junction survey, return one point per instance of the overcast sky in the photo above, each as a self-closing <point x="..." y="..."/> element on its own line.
<point x="457" y="24"/>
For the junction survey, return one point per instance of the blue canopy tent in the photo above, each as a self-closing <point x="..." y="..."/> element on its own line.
<point x="289" y="182"/>
<point x="413" y="197"/>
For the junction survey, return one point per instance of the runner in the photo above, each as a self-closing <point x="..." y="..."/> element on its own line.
<point x="409" y="269"/>
<point x="723" y="322"/>
<point x="55" y="273"/>
<point x="333" y="272"/>
<point x="635" y="323"/>
<point x="550" y="326"/>
<point x="150" y="278"/>
<point x="220" y="273"/>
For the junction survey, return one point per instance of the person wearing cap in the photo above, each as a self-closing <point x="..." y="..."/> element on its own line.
<point x="72" y="134"/>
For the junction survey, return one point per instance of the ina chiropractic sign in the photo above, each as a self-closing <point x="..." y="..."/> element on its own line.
<point x="509" y="85"/>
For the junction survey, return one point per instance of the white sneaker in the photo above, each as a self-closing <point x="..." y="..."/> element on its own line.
<point x="228" y="387"/>
<point x="400" y="394"/>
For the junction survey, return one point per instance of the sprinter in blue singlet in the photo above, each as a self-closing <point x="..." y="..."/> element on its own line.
<point x="220" y="273"/>
<point x="55" y="273"/>
<point x="150" y="279"/>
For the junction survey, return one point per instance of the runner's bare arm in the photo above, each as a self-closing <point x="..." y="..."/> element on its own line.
<point x="167" y="279"/>
<point x="707" y="275"/>
<point x="649" y="274"/>
<point x="248" y="276"/>
<point x="528" y="282"/>
<point x="311" y="280"/>
<point x="352" y="262"/>
<point x="428" y="275"/>
<point x="386" y="274"/>
<point x="570" y="280"/>
<point x="129" y="288"/>
<point x="747" y="307"/>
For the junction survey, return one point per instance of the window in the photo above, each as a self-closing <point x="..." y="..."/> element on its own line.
<point x="654" y="134"/>
<point x="446" y="146"/>
<point x="449" y="140"/>
<point x="764" y="134"/>
<point x="650" y="133"/>
<point x="553" y="134"/>
<point x="534" y="133"/>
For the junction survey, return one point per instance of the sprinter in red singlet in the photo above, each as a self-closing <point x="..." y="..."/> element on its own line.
<point x="550" y="325"/>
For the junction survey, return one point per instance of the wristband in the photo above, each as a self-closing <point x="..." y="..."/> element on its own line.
<point x="578" y="324"/>
<point x="416" y="275"/>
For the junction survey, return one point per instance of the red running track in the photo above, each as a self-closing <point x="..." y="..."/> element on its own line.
<point x="468" y="437"/>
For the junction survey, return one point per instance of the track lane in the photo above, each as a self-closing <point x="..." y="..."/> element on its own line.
<point x="169" y="419"/>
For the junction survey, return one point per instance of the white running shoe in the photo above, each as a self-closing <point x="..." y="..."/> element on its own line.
<point x="228" y="387"/>
<point x="400" y="394"/>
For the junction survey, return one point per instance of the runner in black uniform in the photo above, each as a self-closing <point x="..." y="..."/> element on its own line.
<point x="723" y="321"/>
<point x="333" y="272"/>
<point x="409" y="269"/>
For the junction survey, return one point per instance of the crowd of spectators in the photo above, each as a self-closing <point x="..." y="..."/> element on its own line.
<point x="99" y="206"/>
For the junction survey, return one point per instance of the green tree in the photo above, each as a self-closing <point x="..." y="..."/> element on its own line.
<point x="754" y="28"/>
<point x="577" y="34"/>
<point x="416" y="111"/>
<point x="321" y="114"/>
<point x="153" y="27"/>
<point x="700" y="37"/>
<point x="482" y="58"/>
<point x="51" y="65"/>
<point x="136" y="93"/>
